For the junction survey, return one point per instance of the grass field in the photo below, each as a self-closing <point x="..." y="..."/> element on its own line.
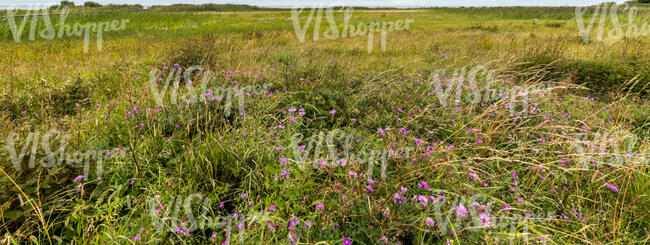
<point x="563" y="165"/>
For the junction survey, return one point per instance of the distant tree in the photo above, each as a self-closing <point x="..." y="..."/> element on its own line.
<point x="67" y="3"/>
<point x="92" y="4"/>
<point x="644" y="1"/>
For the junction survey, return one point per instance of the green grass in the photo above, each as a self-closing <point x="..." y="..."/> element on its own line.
<point x="53" y="84"/>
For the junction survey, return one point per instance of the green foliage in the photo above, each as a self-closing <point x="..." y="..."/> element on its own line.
<point x="92" y="4"/>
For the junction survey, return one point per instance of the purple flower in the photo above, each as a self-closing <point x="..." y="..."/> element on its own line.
<point x="472" y="176"/>
<point x="352" y="174"/>
<point x="332" y="112"/>
<point x="429" y="222"/>
<point x="285" y="173"/>
<point x="132" y="181"/>
<point x="320" y="206"/>
<point x="279" y="148"/>
<point x="284" y="161"/>
<point x="77" y="179"/>
<point x="244" y="196"/>
<point x="461" y="210"/>
<point x="291" y="223"/>
<point x="424" y="185"/>
<point x="272" y="208"/>
<point x="612" y="187"/>
<point x="384" y="239"/>
<point x="342" y="162"/>
<point x="347" y="241"/>
<point x="485" y="218"/>
<point x="136" y="238"/>
<point x="307" y="225"/>
<point x="422" y="199"/>
<point x="381" y="132"/>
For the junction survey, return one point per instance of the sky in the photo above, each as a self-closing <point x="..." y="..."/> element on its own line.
<point x="368" y="3"/>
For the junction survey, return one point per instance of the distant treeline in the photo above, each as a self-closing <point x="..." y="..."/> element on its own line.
<point x="228" y="7"/>
<point x="209" y="7"/>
